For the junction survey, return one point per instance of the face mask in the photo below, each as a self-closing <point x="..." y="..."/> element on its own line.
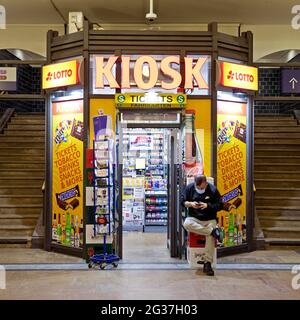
<point x="200" y="191"/>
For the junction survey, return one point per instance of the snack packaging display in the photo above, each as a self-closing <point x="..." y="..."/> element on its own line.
<point x="240" y="131"/>
<point x="77" y="130"/>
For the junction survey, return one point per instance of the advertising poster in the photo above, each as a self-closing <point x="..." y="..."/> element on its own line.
<point x="67" y="164"/>
<point x="231" y="170"/>
<point x="141" y="142"/>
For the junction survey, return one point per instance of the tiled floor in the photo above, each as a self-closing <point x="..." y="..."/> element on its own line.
<point x="145" y="284"/>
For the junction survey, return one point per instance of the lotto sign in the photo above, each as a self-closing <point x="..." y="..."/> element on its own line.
<point x="238" y="76"/>
<point x="60" y="74"/>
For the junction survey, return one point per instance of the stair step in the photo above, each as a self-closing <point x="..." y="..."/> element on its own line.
<point x="277" y="153"/>
<point x="263" y="182"/>
<point x="22" y="159"/>
<point x="21" y="199"/>
<point x="14" y="239"/>
<point x="263" y="210"/>
<point x="277" y="141"/>
<point x="276" y="175"/>
<point x="22" y="181"/>
<point x="276" y="135"/>
<point x="25" y="127"/>
<point x="281" y="148"/>
<point x="24" y="210"/>
<point x="277" y="159"/>
<point x="275" y="123"/>
<point x="29" y="221"/>
<point x="26" y="144"/>
<point x="282" y="232"/>
<point x="18" y="173"/>
<point x="17" y="121"/>
<point x="283" y="242"/>
<point x="283" y="192"/>
<point x="15" y="230"/>
<point x="29" y="165"/>
<point x="21" y="139"/>
<point x="17" y="190"/>
<point x="269" y="221"/>
<point x="279" y="167"/>
<point x="271" y="117"/>
<point x="277" y="129"/>
<point x="22" y="150"/>
<point x="23" y="134"/>
<point x="277" y="201"/>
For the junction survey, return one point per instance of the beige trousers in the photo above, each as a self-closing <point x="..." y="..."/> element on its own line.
<point x="203" y="228"/>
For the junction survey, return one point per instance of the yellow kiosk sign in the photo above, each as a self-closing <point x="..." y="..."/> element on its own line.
<point x="150" y="100"/>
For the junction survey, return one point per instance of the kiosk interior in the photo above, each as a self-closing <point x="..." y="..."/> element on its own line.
<point x="166" y="116"/>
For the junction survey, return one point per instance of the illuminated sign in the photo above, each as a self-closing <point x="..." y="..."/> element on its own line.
<point x="150" y="100"/>
<point x="239" y="76"/>
<point x="168" y="66"/>
<point x="60" y="74"/>
<point x="8" y="78"/>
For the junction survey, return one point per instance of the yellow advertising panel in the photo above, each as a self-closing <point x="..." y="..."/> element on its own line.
<point x="60" y="74"/>
<point x="202" y="123"/>
<point x="231" y="170"/>
<point x="67" y="176"/>
<point x="238" y="76"/>
<point x="150" y="100"/>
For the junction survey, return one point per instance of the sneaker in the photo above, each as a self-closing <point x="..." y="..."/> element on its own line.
<point x="208" y="269"/>
<point x="217" y="234"/>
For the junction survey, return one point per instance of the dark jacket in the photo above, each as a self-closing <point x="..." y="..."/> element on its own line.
<point x="211" y="196"/>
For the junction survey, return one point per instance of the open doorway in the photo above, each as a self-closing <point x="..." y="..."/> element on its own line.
<point x="150" y="158"/>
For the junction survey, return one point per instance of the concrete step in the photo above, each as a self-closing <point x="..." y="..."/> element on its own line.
<point x="272" y="117"/>
<point x="259" y="152"/>
<point x="17" y="190"/>
<point x="24" y="144"/>
<point x="20" y="139"/>
<point x="277" y="201"/>
<point x="25" y="127"/>
<point x="282" y="232"/>
<point x="23" y="134"/>
<point x="272" y="192"/>
<point x="20" y="221"/>
<point x="278" y="211"/>
<point x="277" y="135"/>
<point x="275" y="123"/>
<point x="22" y="181"/>
<point x="278" y="141"/>
<point x="276" y="175"/>
<point x="15" y="240"/>
<point x="21" y="210"/>
<point x="277" y="147"/>
<point x="288" y="183"/>
<point x="11" y="166"/>
<point x="21" y="199"/>
<point x="22" y="158"/>
<point x="277" y="129"/>
<point x="17" y="121"/>
<point x="16" y="173"/>
<point x="16" y="231"/>
<point x="22" y="150"/>
<point x="279" y="242"/>
<point x="276" y="159"/>
<point x="269" y="221"/>
<point x="270" y="166"/>
<point x="29" y="116"/>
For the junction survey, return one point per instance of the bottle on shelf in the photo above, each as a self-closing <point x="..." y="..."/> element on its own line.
<point x="77" y="233"/>
<point x="63" y="229"/>
<point x="68" y="229"/>
<point x="59" y="230"/>
<point x="244" y="230"/>
<point x="231" y="231"/>
<point x="72" y="231"/>
<point x="54" y="228"/>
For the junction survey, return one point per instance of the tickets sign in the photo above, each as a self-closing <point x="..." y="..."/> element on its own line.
<point x="238" y="76"/>
<point x="60" y="74"/>
<point x="150" y="100"/>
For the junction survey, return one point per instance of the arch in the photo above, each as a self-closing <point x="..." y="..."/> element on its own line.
<point x="282" y="56"/>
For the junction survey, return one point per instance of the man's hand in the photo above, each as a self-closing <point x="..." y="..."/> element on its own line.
<point x="202" y="205"/>
<point x="192" y="204"/>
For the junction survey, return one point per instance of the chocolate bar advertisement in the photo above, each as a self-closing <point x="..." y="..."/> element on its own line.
<point x="67" y="165"/>
<point x="231" y="171"/>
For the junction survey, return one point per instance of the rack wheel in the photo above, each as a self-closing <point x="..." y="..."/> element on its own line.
<point x="102" y="266"/>
<point x="90" y="265"/>
<point x="115" y="264"/>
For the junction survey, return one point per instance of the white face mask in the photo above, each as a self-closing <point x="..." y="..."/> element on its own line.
<point x="200" y="191"/>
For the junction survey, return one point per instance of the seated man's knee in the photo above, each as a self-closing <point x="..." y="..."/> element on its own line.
<point x="186" y="225"/>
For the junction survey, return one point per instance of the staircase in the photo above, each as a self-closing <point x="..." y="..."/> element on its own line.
<point x="22" y="171"/>
<point x="277" y="179"/>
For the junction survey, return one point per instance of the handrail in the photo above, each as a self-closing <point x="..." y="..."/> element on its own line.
<point x="8" y="113"/>
<point x="254" y="188"/>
